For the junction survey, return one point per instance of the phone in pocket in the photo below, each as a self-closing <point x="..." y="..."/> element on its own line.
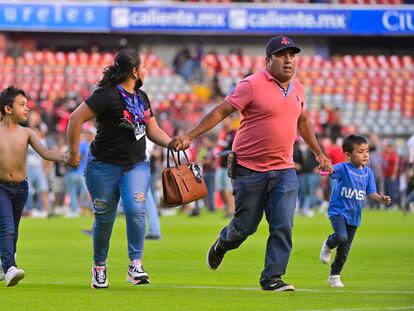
<point x="231" y="165"/>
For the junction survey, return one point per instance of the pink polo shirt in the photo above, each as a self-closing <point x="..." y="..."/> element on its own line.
<point x="268" y="124"/>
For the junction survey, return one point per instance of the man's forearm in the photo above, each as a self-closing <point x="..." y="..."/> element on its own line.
<point x="208" y="122"/>
<point x="308" y="134"/>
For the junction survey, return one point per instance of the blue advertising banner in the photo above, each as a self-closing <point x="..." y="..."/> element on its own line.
<point x="241" y="19"/>
<point x="263" y="20"/>
<point x="54" y="17"/>
<point x="383" y="22"/>
<point x="228" y="20"/>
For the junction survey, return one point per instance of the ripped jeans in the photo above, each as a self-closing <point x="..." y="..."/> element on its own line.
<point x="107" y="183"/>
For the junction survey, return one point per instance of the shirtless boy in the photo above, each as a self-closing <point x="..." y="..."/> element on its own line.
<point x="13" y="184"/>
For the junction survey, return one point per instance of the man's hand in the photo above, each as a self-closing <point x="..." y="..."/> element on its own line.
<point x="179" y="143"/>
<point x="324" y="163"/>
<point x="385" y="199"/>
<point x="74" y="160"/>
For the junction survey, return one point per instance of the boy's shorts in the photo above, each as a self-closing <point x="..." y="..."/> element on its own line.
<point x="222" y="180"/>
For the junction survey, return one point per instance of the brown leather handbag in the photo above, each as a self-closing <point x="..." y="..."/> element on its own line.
<point x="182" y="183"/>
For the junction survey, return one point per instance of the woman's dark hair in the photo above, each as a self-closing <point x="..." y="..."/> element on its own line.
<point x="7" y="97"/>
<point x="121" y="69"/>
<point x="351" y="140"/>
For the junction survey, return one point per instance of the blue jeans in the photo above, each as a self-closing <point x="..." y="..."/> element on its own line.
<point x="107" y="183"/>
<point x="410" y="197"/>
<point x="38" y="184"/>
<point x="274" y="193"/>
<point x="309" y="182"/>
<point x="342" y="239"/>
<point x="391" y="188"/>
<point x="13" y="197"/>
<point x="209" y="178"/>
<point x="76" y="188"/>
<point x="154" y="227"/>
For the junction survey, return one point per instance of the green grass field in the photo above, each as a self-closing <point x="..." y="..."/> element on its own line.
<point x="57" y="258"/>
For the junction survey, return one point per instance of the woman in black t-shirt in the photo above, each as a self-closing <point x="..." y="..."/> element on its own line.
<point x="117" y="165"/>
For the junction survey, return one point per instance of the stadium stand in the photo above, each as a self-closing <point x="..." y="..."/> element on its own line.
<point x="371" y="92"/>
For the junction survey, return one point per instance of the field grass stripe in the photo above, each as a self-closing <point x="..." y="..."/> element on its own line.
<point x="362" y="309"/>
<point x="251" y="289"/>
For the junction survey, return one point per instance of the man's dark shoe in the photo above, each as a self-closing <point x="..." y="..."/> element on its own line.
<point x="278" y="286"/>
<point x="215" y="256"/>
<point x="194" y="213"/>
<point x="152" y="237"/>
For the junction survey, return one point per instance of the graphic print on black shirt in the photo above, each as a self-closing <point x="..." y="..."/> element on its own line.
<point x="135" y="107"/>
<point x="116" y="143"/>
<point x="126" y="121"/>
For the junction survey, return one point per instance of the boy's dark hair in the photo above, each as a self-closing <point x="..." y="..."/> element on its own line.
<point x="7" y="97"/>
<point x="351" y="140"/>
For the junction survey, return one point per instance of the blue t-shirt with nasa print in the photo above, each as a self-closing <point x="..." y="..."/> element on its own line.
<point x="351" y="187"/>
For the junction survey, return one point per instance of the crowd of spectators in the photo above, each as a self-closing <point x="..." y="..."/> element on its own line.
<point x="177" y="113"/>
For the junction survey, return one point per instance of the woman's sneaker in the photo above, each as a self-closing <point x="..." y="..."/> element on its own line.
<point x="136" y="273"/>
<point x="335" y="281"/>
<point x="99" y="277"/>
<point x="13" y="276"/>
<point x="326" y="253"/>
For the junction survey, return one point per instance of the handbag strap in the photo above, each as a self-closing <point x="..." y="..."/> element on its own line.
<point x="185" y="155"/>
<point x="177" y="160"/>
<point x="170" y="151"/>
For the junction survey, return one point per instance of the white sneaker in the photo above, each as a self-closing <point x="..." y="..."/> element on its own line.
<point x="326" y="253"/>
<point x="39" y="214"/>
<point x="2" y="274"/>
<point x="99" y="278"/>
<point x="60" y="210"/>
<point x="323" y="207"/>
<point x="136" y="273"/>
<point x="335" y="281"/>
<point x="71" y="214"/>
<point x="13" y="276"/>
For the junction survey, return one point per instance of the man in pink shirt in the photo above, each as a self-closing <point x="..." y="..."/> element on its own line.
<point x="272" y="109"/>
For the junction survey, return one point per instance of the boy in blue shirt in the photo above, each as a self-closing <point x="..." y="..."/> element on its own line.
<point x="353" y="182"/>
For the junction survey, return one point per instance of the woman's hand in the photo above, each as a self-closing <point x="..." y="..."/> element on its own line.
<point x="74" y="160"/>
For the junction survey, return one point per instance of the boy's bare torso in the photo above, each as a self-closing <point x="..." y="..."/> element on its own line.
<point x="13" y="153"/>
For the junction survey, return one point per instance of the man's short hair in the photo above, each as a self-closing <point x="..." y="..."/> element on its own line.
<point x="352" y="140"/>
<point x="7" y="97"/>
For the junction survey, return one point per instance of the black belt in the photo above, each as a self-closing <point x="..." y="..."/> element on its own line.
<point x="11" y="183"/>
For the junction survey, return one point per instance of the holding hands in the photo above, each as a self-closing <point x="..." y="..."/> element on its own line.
<point x="73" y="160"/>
<point x="179" y="143"/>
<point x="324" y="163"/>
<point x="385" y="199"/>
